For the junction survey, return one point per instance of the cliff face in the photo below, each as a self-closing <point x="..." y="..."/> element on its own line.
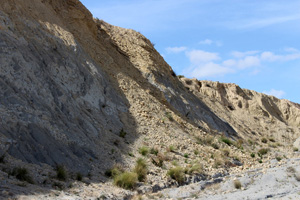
<point x="69" y="83"/>
<point x="251" y="114"/>
<point x="78" y="92"/>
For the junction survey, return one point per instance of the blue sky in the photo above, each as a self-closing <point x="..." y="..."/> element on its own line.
<point x="253" y="43"/>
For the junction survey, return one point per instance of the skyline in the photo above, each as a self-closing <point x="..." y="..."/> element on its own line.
<point x="251" y="43"/>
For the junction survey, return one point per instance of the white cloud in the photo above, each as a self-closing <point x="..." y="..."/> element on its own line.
<point x="277" y="93"/>
<point x="239" y="54"/>
<point x="248" y="61"/>
<point x="291" y="49"/>
<point x="198" y="56"/>
<point x="271" y="57"/>
<point x="209" y="70"/>
<point x="210" y="42"/>
<point x="207" y="41"/>
<point x="175" y="49"/>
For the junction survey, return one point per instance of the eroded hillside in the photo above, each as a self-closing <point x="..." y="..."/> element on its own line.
<point x="83" y="94"/>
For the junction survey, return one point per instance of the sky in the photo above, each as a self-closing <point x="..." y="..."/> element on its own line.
<point x="253" y="43"/>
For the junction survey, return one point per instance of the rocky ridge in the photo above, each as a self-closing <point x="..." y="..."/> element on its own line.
<point x="80" y="93"/>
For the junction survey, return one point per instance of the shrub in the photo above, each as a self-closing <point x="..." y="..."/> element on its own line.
<point x="215" y="145"/>
<point x="196" y="168"/>
<point x="171" y="148"/>
<point x="22" y="174"/>
<point x="196" y="152"/>
<point x="278" y="158"/>
<point x="260" y="161"/>
<point x="186" y="155"/>
<point x="122" y="133"/>
<point x="264" y="140"/>
<point x="226" y="140"/>
<point x="116" y="170"/>
<point x="262" y="152"/>
<point x="61" y="173"/>
<point x="144" y="150"/>
<point x="180" y="76"/>
<point x="295" y="149"/>
<point x="126" y="180"/>
<point x="78" y="176"/>
<point x="169" y="116"/>
<point x="252" y="155"/>
<point x="177" y="173"/>
<point x="154" y="151"/>
<point x="141" y="169"/>
<point x="237" y="184"/>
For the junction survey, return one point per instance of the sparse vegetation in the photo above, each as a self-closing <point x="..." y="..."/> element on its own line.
<point x="154" y="151"/>
<point x="122" y="133"/>
<point x="169" y="116"/>
<point x="171" y="148"/>
<point x="226" y="140"/>
<point x="78" y="176"/>
<point x="237" y="184"/>
<point x="116" y="170"/>
<point x="141" y="169"/>
<point x="262" y="152"/>
<point x="252" y="155"/>
<point x="196" y="152"/>
<point x="180" y="76"/>
<point x="215" y="145"/>
<point x="126" y="180"/>
<point x="61" y="173"/>
<point x="196" y="168"/>
<point x="186" y="155"/>
<point x="22" y="174"/>
<point x="278" y="158"/>
<point x="295" y="149"/>
<point x="177" y="173"/>
<point x="144" y="150"/>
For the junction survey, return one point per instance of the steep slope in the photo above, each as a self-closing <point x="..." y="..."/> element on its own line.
<point x="251" y="114"/>
<point x="78" y="92"/>
<point x="67" y="84"/>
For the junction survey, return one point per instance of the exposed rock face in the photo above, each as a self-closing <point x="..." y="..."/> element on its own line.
<point x="252" y="114"/>
<point x="61" y="83"/>
<point x="78" y="92"/>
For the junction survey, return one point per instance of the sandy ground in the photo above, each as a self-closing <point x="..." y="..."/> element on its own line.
<point x="277" y="182"/>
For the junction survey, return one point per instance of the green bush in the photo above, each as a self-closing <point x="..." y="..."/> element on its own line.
<point x="22" y="174"/>
<point x="154" y="151"/>
<point x="61" y="173"/>
<point x="171" y="148"/>
<point x="177" y="173"/>
<point x="295" y="149"/>
<point x="126" y="180"/>
<point x="262" y="152"/>
<point x="122" y="133"/>
<point x="252" y="155"/>
<point x="141" y="169"/>
<point x="116" y="170"/>
<point x="144" y="150"/>
<point x="196" y="168"/>
<point x="186" y="155"/>
<point x="226" y="140"/>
